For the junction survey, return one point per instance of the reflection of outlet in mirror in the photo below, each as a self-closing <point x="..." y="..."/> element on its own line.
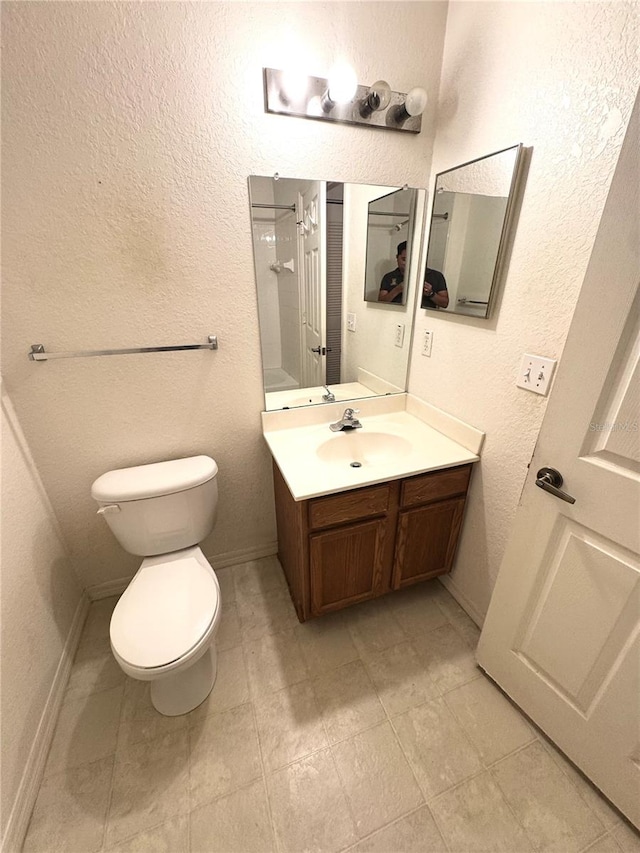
<point x="399" y="334"/>
<point x="427" y="344"/>
<point x="535" y="373"/>
<point x="351" y="322"/>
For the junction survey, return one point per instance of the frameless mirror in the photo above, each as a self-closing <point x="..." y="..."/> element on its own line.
<point x="311" y="242"/>
<point x="470" y="223"/>
<point x="390" y="220"/>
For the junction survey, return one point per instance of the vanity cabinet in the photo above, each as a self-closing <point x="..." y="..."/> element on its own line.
<point x="345" y="548"/>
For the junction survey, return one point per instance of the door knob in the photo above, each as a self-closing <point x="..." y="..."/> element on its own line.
<point x="550" y="480"/>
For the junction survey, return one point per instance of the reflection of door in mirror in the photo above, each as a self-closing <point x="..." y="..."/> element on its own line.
<point x="313" y="243"/>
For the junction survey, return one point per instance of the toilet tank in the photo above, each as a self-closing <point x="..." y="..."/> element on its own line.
<point x="162" y="507"/>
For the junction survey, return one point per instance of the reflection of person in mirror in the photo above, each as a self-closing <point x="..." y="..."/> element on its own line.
<point x="392" y="284"/>
<point x="434" y="291"/>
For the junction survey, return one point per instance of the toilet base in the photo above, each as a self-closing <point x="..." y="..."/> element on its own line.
<point x="180" y="693"/>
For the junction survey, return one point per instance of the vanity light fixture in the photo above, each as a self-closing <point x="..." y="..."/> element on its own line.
<point x="341" y="99"/>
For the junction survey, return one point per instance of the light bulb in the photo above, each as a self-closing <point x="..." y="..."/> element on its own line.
<point x="342" y="86"/>
<point x="294" y="86"/>
<point x="377" y="98"/>
<point x="416" y="101"/>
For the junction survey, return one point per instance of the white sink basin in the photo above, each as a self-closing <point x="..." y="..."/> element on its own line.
<point x="391" y="444"/>
<point x="365" y="448"/>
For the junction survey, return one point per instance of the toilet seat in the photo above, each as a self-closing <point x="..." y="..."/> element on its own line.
<point x="166" y="612"/>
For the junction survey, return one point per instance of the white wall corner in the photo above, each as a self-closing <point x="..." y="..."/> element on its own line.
<point x="449" y="584"/>
<point x="34" y="767"/>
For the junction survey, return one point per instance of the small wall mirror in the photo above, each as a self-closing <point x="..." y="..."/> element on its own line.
<point x="390" y="220"/>
<point x="470" y="223"/>
<point x="311" y="242"/>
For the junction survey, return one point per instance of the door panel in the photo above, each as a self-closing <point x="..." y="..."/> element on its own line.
<point x="562" y="633"/>
<point x="312" y="207"/>
<point x="602" y="617"/>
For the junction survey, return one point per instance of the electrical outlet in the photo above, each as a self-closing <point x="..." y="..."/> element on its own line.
<point x="535" y="373"/>
<point x="427" y="344"/>
<point x="351" y="322"/>
<point x="399" y="334"/>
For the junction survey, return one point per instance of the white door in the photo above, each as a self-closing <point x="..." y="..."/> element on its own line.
<point x="562" y="635"/>
<point x="312" y="205"/>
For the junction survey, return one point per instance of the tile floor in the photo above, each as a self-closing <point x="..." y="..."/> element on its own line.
<point x="368" y="730"/>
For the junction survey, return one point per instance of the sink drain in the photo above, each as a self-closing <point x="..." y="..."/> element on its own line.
<point x="355" y="464"/>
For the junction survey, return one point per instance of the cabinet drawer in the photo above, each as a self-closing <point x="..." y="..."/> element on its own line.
<point x="348" y="506"/>
<point x="435" y="486"/>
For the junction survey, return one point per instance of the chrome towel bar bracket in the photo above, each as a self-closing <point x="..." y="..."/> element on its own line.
<point x="38" y="351"/>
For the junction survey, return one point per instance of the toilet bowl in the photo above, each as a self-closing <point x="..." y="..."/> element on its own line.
<point x="164" y="625"/>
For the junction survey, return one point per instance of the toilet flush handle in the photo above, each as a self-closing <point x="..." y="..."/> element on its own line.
<point x="109" y="509"/>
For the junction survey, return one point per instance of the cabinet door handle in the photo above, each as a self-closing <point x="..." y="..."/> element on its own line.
<point x="550" y="480"/>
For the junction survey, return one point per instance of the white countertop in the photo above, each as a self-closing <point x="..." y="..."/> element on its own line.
<point x="298" y="444"/>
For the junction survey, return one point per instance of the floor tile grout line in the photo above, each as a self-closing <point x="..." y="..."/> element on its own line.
<point x="607" y="834"/>
<point x="151" y="828"/>
<point x="407" y="759"/>
<point x="553" y="754"/>
<point x="576" y="789"/>
<point x="274" y="836"/>
<point x="90" y="693"/>
<point x="113" y="776"/>
<point x="345" y="794"/>
<point x="467" y="734"/>
<point x="188" y="735"/>
<point x="382" y="828"/>
<point x="429" y="800"/>
<point x="507" y="801"/>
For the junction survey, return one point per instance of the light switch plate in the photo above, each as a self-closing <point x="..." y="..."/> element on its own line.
<point x="399" y="334"/>
<point x="427" y="343"/>
<point x="351" y="322"/>
<point x="535" y="373"/>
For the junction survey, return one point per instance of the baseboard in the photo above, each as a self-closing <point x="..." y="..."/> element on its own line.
<point x="233" y="558"/>
<point x="34" y="768"/>
<point x="462" y="600"/>
<point x="218" y="561"/>
<point x="108" y="588"/>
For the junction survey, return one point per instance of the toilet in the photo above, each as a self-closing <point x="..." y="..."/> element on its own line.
<point x="164" y="625"/>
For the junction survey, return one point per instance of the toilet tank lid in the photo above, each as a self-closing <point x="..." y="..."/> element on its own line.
<point x="154" y="480"/>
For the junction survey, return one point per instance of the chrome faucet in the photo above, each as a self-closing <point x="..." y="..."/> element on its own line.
<point x="329" y="397"/>
<point x="347" y="421"/>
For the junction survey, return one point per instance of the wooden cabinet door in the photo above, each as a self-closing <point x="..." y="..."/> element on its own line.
<point x="346" y="565"/>
<point x="426" y="541"/>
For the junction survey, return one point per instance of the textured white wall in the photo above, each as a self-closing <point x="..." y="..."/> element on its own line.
<point x="560" y="77"/>
<point x="129" y="130"/>
<point x="40" y="594"/>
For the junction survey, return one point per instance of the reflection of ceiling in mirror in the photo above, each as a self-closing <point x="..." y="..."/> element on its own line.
<point x="489" y="176"/>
